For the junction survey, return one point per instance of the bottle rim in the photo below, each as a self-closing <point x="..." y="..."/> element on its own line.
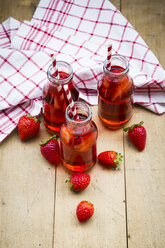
<point x="117" y="74"/>
<point x="56" y="79"/>
<point x="81" y="107"/>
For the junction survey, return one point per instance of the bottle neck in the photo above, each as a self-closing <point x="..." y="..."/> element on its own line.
<point x="84" y="114"/>
<point x="119" y="66"/>
<point x="65" y="73"/>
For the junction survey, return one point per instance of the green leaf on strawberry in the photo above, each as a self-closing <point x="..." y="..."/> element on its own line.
<point x="50" y="150"/>
<point x="84" y="211"/>
<point x="137" y="135"/>
<point x="78" y="181"/>
<point x="28" y="127"/>
<point x="110" y="158"/>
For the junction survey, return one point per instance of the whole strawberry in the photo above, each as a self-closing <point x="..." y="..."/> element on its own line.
<point x="110" y="158"/>
<point x="137" y="134"/>
<point x="28" y="127"/>
<point x="50" y="150"/>
<point x="85" y="210"/>
<point x="78" y="181"/>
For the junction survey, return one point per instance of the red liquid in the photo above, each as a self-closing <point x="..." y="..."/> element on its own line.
<point x="78" y="146"/>
<point x="115" y="105"/>
<point x="54" y="107"/>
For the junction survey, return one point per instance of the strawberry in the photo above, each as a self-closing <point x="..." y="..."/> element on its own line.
<point x="50" y="150"/>
<point x="78" y="181"/>
<point x="28" y="126"/>
<point x="137" y="134"/>
<point x="110" y="158"/>
<point x="85" y="210"/>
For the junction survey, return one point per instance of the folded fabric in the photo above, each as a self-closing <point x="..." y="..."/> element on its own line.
<point x="76" y="32"/>
<point x="22" y="75"/>
<point x="7" y="31"/>
<point x="87" y="58"/>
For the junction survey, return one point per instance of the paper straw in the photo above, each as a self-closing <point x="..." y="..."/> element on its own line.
<point x="70" y="100"/>
<point x="54" y="63"/>
<point x="56" y="74"/>
<point x="109" y="54"/>
<point x="65" y="87"/>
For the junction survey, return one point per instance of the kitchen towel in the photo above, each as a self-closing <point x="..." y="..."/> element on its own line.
<point x="75" y="31"/>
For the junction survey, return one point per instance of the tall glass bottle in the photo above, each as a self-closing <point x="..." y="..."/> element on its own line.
<point x="78" y="139"/>
<point x="54" y="98"/>
<point x="115" y="93"/>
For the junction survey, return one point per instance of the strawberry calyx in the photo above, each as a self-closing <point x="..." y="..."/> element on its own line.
<point x="44" y="142"/>
<point x="33" y="117"/>
<point x="134" y="125"/>
<point x="70" y="184"/>
<point x="118" y="159"/>
<point x="86" y="202"/>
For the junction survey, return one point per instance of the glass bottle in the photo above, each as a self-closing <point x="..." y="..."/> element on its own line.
<point x="78" y="139"/>
<point x="115" y="93"/>
<point x="54" y="98"/>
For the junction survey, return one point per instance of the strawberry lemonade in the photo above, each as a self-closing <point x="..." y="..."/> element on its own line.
<point x="78" y="139"/>
<point x="115" y="94"/>
<point x="54" y="98"/>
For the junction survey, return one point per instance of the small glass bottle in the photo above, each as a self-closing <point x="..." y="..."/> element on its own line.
<point x="78" y="139"/>
<point x="115" y="93"/>
<point x="54" y="98"/>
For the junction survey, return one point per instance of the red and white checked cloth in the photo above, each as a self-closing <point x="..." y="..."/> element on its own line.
<point x="75" y="31"/>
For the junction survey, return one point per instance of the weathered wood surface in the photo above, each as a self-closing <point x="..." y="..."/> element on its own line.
<point x="36" y="207"/>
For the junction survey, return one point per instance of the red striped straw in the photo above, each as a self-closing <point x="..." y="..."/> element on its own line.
<point x="65" y="87"/>
<point x="109" y="54"/>
<point x="56" y="74"/>
<point x="54" y="63"/>
<point x="70" y="100"/>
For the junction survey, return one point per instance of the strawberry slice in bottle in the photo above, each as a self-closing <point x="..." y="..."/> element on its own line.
<point x="122" y="89"/>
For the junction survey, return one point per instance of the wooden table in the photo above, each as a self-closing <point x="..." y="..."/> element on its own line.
<point x="38" y="210"/>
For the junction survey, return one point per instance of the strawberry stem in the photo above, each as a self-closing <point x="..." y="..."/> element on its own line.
<point x="87" y="202"/>
<point x="44" y="142"/>
<point x="118" y="159"/>
<point x="134" y="125"/>
<point x="33" y="117"/>
<point x="70" y="184"/>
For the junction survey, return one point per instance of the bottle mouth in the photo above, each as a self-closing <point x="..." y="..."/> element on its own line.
<point x="117" y="60"/>
<point x="62" y="66"/>
<point x="82" y="108"/>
